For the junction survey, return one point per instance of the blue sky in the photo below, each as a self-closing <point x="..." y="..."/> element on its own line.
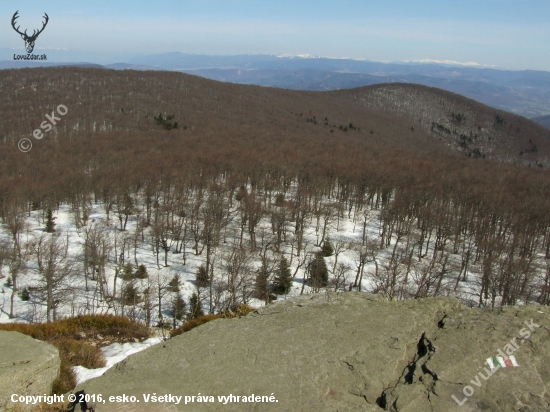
<point x="511" y="34"/>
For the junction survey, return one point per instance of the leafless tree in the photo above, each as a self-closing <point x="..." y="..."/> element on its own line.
<point x="339" y="280"/>
<point x="97" y="247"/>
<point x="238" y="272"/>
<point x="55" y="270"/>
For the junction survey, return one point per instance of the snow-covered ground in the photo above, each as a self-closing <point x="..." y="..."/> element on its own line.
<point x="82" y="295"/>
<point x="81" y="301"/>
<point x="113" y="354"/>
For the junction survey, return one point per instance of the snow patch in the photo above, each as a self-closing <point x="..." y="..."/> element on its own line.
<point x="114" y="353"/>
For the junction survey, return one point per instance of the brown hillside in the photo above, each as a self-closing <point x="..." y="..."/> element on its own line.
<point x="463" y="124"/>
<point x="102" y="101"/>
<point x="109" y="138"/>
<point x="238" y="152"/>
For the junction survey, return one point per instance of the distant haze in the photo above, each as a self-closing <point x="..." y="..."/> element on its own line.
<point x="508" y="34"/>
<point x="524" y="92"/>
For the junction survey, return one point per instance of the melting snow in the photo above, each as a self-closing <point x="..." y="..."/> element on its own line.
<point x="114" y="353"/>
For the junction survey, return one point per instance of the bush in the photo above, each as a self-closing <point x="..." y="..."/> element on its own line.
<point x="120" y="327"/>
<point x="202" y="279"/>
<point x="163" y="324"/>
<point x="73" y="353"/>
<point x="318" y="272"/>
<point x="25" y="296"/>
<point x="327" y="249"/>
<point x="128" y="272"/>
<point x="193" y="323"/>
<point x="241" y="310"/>
<point x="141" y="272"/>
<point x="238" y="311"/>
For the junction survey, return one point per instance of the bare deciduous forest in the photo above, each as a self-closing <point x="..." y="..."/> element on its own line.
<point x="447" y="197"/>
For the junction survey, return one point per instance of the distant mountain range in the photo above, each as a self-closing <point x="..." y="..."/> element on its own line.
<point x="526" y="92"/>
<point x="398" y="116"/>
<point x="543" y="121"/>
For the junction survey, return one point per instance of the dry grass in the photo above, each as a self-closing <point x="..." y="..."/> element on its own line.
<point x="43" y="407"/>
<point x="118" y="327"/>
<point x="73" y="353"/>
<point x="193" y="323"/>
<point x="242" y="310"/>
<point x="238" y="312"/>
<point x="59" y="407"/>
<point x="79" y="340"/>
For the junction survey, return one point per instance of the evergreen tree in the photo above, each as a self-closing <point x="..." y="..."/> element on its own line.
<point x="283" y="278"/>
<point x="261" y="286"/>
<point x="50" y="224"/>
<point x="179" y="308"/>
<point x="318" y="272"/>
<point x="202" y="279"/>
<point x="25" y="296"/>
<point x="280" y="199"/>
<point x="195" y="307"/>
<point x="127" y="272"/>
<point x="141" y="272"/>
<point x="175" y="283"/>
<point x="327" y="249"/>
<point x="130" y="294"/>
<point x="125" y="210"/>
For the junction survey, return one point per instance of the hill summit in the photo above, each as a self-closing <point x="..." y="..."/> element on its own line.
<point x="126" y="103"/>
<point x="347" y="352"/>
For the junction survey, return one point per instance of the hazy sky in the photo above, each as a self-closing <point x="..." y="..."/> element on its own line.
<point x="513" y="34"/>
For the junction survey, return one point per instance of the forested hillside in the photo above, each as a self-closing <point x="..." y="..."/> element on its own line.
<point x="464" y="124"/>
<point x="397" y="189"/>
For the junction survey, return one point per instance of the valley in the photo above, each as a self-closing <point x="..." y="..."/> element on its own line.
<point x="417" y="191"/>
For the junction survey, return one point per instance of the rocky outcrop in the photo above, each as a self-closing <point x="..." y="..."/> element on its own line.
<point x="352" y="352"/>
<point x="28" y="367"/>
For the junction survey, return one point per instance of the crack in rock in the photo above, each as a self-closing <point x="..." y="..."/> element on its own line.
<point x="441" y="323"/>
<point x="350" y="366"/>
<point x="410" y="375"/>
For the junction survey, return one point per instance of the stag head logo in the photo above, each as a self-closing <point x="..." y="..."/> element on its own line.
<point x="29" y="40"/>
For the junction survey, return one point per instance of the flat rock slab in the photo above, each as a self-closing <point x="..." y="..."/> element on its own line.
<point x="27" y="367"/>
<point x="352" y="352"/>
